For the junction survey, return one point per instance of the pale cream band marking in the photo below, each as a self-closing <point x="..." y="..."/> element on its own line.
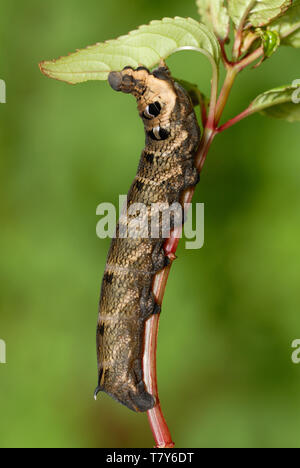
<point x="164" y="178"/>
<point x="112" y="318"/>
<point x="106" y="318"/>
<point x="118" y="269"/>
<point x="130" y="296"/>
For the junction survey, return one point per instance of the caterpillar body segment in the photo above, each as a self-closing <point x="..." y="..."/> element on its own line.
<point x="165" y="170"/>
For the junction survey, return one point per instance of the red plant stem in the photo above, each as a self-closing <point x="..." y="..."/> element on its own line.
<point x="203" y="109"/>
<point x="249" y="59"/>
<point x="225" y="59"/>
<point x="235" y="120"/>
<point x="157" y="421"/>
<point x="232" y="72"/>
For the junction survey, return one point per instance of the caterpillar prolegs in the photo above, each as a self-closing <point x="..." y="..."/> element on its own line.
<point x="165" y="170"/>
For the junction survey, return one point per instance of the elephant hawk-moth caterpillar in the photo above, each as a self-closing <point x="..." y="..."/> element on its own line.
<point x="165" y="170"/>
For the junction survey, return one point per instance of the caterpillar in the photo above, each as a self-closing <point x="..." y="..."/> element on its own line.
<point x="165" y="170"/>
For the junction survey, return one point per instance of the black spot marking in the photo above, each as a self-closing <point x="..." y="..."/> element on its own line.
<point x="101" y="329"/>
<point x="128" y="68"/>
<point x="142" y="92"/>
<point x="152" y="136"/>
<point x="108" y="277"/>
<point x="161" y="74"/>
<point x="139" y="185"/>
<point x="149" y="157"/>
<point x="129" y="80"/>
<point x="154" y="108"/>
<point x="143" y="68"/>
<point x="157" y="309"/>
<point x="99" y="379"/>
<point x="163" y="133"/>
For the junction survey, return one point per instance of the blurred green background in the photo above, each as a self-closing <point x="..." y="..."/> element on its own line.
<point x="231" y="309"/>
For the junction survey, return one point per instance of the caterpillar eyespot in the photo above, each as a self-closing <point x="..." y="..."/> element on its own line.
<point x="158" y="133"/>
<point x="127" y="300"/>
<point x="152" y="110"/>
<point x="149" y="157"/>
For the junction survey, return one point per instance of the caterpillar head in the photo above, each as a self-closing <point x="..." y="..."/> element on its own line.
<point x="155" y="94"/>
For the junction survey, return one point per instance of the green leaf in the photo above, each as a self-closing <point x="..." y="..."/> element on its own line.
<point x="214" y="14"/>
<point x="256" y="12"/>
<point x="288" y="26"/>
<point x="145" y="46"/>
<point x="280" y="103"/>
